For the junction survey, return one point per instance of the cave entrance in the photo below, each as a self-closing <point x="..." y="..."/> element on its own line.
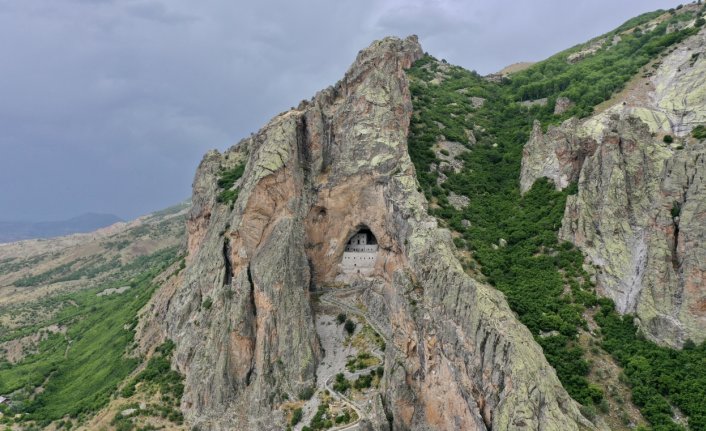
<point x="360" y="254"/>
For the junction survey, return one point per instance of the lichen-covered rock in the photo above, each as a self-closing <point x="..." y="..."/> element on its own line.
<point x="639" y="212"/>
<point x="457" y="358"/>
<point x="562" y="105"/>
<point x="458" y="201"/>
<point x="640" y="207"/>
<point x="557" y="155"/>
<point x="673" y="100"/>
<point x="586" y="51"/>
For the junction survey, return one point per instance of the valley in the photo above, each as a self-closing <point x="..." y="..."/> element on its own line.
<point x="415" y="247"/>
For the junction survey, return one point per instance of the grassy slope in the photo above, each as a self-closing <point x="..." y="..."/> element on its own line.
<point x="543" y="280"/>
<point x="80" y="370"/>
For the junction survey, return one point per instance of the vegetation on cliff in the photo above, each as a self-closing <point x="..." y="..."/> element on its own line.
<point x="513" y="237"/>
<point x="226" y="181"/>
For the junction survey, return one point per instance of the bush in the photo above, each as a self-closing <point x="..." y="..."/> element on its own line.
<point x="296" y="416"/>
<point x="158" y="372"/>
<point x="343" y="418"/>
<point x="306" y="393"/>
<point x="699" y="132"/>
<point x="226" y="181"/>
<point x="318" y="422"/>
<point x="349" y="326"/>
<point x="676" y="209"/>
<point x="341" y="384"/>
<point x="668" y="139"/>
<point x="595" y="393"/>
<point x="364" y="381"/>
<point x="341" y="318"/>
<point x="207" y="303"/>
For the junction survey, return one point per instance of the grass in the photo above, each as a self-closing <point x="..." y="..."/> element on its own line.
<point x="80" y="370"/>
<point x="156" y="376"/>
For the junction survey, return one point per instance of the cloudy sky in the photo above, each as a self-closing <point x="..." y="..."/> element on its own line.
<point x="108" y="105"/>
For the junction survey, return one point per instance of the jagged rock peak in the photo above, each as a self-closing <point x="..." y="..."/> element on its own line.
<point x="244" y="315"/>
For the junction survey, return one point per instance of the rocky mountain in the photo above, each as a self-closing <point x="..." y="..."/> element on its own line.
<point x="17" y="231"/>
<point x="640" y="212"/>
<point x="416" y="247"/>
<point x="455" y="355"/>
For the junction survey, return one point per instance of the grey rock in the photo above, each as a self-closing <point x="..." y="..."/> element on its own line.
<point x="456" y="356"/>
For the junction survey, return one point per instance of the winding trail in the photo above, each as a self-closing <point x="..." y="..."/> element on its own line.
<point x="329" y="296"/>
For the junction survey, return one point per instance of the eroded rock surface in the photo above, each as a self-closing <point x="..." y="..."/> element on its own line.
<point x="640" y="212"/>
<point x="557" y="155"/>
<point x="242" y="318"/>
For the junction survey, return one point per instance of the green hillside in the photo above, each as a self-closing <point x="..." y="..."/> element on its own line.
<point x="513" y="238"/>
<point x="74" y="374"/>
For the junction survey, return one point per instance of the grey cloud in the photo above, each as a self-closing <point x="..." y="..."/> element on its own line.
<point x="108" y="106"/>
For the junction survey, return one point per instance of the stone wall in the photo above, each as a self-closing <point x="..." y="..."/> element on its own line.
<point x="359" y="262"/>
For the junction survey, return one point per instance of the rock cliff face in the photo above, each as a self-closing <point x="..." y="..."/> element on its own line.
<point x="243" y="317"/>
<point x="558" y="154"/>
<point x="640" y="212"/>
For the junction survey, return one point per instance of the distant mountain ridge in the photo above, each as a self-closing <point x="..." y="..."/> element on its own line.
<point x="11" y="231"/>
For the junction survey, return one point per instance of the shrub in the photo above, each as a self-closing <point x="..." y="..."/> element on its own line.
<point x="595" y="393"/>
<point x="676" y="209"/>
<point x="207" y="303"/>
<point x="341" y="318"/>
<point x="307" y="393"/>
<point x="363" y="381"/>
<point x="318" y="422"/>
<point x="341" y="384"/>
<point x="226" y="181"/>
<point x="296" y="416"/>
<point x="349" y="326"/>
<point x="668" y="139"/>
<point x="343" y="418"/>
<point x="699" y="132"/>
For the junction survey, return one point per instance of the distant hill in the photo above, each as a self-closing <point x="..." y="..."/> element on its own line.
<point x="11" y="231"/>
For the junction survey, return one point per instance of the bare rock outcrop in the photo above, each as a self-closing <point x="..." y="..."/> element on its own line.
<point x="456" y="358"/>
<point x="640" y="207"/>
<point x="638" y="216"/>
<point x="557" y="155"/>
<point x="562" y="105"/>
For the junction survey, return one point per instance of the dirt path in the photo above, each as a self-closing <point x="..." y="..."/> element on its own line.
<point x="336" y="357"/>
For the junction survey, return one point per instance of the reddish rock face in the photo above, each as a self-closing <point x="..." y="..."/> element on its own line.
<point x="455" y="357"/>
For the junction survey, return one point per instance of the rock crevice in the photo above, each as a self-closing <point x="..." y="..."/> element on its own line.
<point x="457" y="357"/>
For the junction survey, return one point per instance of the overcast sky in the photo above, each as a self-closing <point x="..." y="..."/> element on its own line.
<point x="108" y="105"/>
